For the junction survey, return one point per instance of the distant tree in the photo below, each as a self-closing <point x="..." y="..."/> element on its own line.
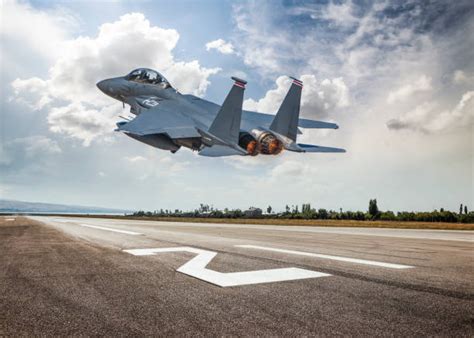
<point x="306" y="211"/>
<point x="287" y="209"/>
<point x="373" y="208"/>
<point x="322" y="214"/>
<point x="387" y="216"/>
<point x="441" y="210"/>
<point x="269" y="209"/>
<point x="465" y="209"/>
<point x="460" y="209"/>
<point x="305" y="208"/>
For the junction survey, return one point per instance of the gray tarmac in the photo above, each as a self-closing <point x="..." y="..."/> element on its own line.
<point x="82" y="276"/>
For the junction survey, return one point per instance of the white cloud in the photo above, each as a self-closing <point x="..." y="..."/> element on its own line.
<point x="427" y="117"/>
<point x="135" y="158"/>
<point x="76" y="107"/>
<point x="41" y="31"/>
<point x="81" y="122"/>
<point x="221" y="46"/>
<point x="290" y="169"/>
<point x="317" y="100"/>
<point x="158" y="164"/>
<point x="32" y="92"/>
<point x="32" y="148"/>
<point x="340" y="14"/>
<point x="463" y="78"/>
<point x="35" y="145"/>
<point x="190" y="77"/>
<point x="423" y="83"/>
<point x="260" y="45"/>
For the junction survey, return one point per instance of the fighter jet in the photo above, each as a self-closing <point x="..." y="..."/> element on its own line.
<point x="169" y="120"/>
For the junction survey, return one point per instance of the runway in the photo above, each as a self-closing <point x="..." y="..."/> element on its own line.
<point x="71" y="276"/>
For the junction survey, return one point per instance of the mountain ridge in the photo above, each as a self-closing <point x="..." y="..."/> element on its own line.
<point x="7" y="206"/>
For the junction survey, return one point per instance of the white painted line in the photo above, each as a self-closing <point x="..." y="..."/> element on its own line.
<point x="9" y="219"/>
<point x="196" y="267"/>
<point x="336" y="258"/>
<point x="62" y="220"/>
<point x="110" y="229"/>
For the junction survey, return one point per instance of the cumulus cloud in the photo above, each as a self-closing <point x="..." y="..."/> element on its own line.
<point x="31" y="148"/>
<point x="340" y="14"/>
<point x="36" y="145"/>
<point x="221" y="46"/>
<point x="157" y="165"/>
<point x="190" y="77"/>
<point x="290" y="169"/>
<point x="263" y="45"/>
<point x="76" y="108"/>
<point x="317" y="100"/>
<point x="53" y="24"/>
<point x="81" y="122"/>
<point x="135" y="158"/>
<point x="423" y="83"/>
<point x="427" y="117"/>
<point x="463" y="78"/>
<point x="32" y="92"/>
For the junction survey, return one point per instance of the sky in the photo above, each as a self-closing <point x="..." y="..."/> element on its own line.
<point x="396" y="76"/>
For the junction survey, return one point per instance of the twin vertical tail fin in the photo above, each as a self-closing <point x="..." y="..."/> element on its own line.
<point x="223" y="134"/>
<point x="285" y="121"/>
<point x="222" y="137"/>
<point x="226" y="125"/>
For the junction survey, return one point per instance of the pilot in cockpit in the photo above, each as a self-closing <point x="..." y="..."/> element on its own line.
<point x="148" y="76"/>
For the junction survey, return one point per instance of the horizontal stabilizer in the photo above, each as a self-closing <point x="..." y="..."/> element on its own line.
<point x="305" y="123"/>
<point x="218" y="151"/>
<point x="311" y="148"/>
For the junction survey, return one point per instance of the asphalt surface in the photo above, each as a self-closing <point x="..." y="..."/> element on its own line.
<point x="84" y="276"/>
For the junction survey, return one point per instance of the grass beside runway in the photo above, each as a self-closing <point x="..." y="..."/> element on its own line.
<point x="316" y="222"/>
<point x="299" y="222"/>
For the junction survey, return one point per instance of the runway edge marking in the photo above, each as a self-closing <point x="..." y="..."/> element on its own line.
<point x="110" y="229"/>
<point x="336" y="258"/>
<point x="196" y="267"/>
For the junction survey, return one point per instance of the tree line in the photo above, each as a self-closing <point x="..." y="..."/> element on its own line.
<point x="306" y="211"/>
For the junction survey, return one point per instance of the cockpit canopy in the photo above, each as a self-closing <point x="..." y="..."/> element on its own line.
<point x="148" y="76"/>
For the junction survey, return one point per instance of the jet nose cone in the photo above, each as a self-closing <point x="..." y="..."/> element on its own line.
<point x="103" y="85"/>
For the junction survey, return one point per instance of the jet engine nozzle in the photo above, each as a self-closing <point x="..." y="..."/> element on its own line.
<point x="268" y="144"/>
<point x="249" y="143"/>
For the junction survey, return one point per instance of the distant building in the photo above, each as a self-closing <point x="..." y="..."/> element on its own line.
<point x="253" y="212"/>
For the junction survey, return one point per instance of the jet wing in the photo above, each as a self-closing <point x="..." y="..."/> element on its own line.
<point x="162" y="118"/>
